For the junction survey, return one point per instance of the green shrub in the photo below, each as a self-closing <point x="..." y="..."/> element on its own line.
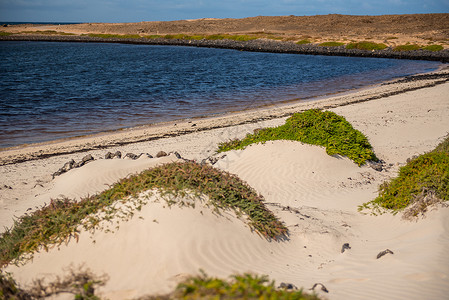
<point x="314" y="127"/>
<point x="433" y="48"/>
<point x="2" y="33"/>
<point x="406" y="48"/>
<point x="115" y="36"/>
<point x="58" y="221"/>
<point x="246" y="286"/>
<point x="366" y="46"/>
<point x="425" y="176"/>
<point x="242" y="38"/>
<point x="230" y="37"/>
<point x="215" y="37"/>
<point x="331" y="44"/>
<point x="153" y="36"/>
<point x="302" y="42"/>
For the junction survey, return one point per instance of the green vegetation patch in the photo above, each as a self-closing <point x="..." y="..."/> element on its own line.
<point x="58" y="221"/>
<point x="246" y="286"/>
<point x="411" y="47"/>
<point x="2" y="33"/>
<point x="114" y="36"/>
<point x="422" y="182"/>
<point x="48" y="32"/>
<point x="81" y="284"/>
<point x="153" y="36"/>
<point x="84" y="285"/>
<point x="302" y="42"/>
<point x="433" y="48"/>
<point x="331" y="44"/>
<point x="366" y="46"/>
<point x="314" y="127"/>
<point x="183" y="37"/>
<point x="243" y="37"/>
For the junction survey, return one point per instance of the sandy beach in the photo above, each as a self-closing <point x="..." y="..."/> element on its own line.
<point x="315" y="195"/>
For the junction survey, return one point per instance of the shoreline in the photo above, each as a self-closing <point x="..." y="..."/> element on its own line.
<point x="257" y="45"/>
<point x="121" y="137"/>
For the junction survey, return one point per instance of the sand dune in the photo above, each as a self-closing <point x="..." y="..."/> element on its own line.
<point x="316" y="195"/>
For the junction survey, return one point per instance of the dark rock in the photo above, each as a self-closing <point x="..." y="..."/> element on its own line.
<point x="378" y="166"/>
<point x="212" y="159"/>
<point x="412" y="158"/>
<point x="287" y="286"/>
<point x="86" y="159"/>
<point x="66" y="167"/>
<point x="161" y="154"/>
<point x="323" y="288"/>
<point x="117" y="154"/>
<point x="132" y="156"/>
<point x="178" y="156"/>
<point x="382" y="253"/>
<point x="108" y="155"/>
<point x="344" y="247"/>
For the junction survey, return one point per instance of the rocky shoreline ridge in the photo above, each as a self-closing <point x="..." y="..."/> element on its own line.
<point x="258" y="45"/>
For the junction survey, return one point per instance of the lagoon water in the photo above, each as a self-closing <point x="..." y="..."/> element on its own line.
<point x="56" y="90"/>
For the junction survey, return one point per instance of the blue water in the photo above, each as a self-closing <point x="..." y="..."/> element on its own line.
<point x="56" y="90"/>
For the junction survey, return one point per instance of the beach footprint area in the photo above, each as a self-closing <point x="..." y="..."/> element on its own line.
<point x="316" y="197"/>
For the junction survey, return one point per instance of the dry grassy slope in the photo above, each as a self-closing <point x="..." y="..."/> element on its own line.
<point x="418" y="24"/>
<point x="391" y="29"/>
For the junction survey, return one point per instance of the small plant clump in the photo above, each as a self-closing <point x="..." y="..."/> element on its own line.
<point x="410" y="47"/>
<point x="303" y="42"/>
<point x="366" y="46"/>
<point x="9" y="288"/>
<point x="422" y="182"/>
<point x="433" y="48"/>
<point x="58" y="222"/>
<point x="115" y="36"/>
<point x="81" y="284"/>
<point x="231" y="37"/>
<point x="331" y="44"/>
<point x="314" y="127"/>
<point x="2" y="33"/>
<point x="246" y="286"/>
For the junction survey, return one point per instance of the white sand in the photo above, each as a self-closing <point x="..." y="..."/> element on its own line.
<point x="150" y="255"/>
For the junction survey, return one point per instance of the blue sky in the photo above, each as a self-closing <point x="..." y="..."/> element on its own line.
<point x="165" y="10"/>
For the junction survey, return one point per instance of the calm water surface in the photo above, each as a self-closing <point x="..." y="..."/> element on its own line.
<point x="55" y="90"/>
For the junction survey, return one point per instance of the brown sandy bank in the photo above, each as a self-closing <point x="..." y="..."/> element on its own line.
<point x="423" y="29"/>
